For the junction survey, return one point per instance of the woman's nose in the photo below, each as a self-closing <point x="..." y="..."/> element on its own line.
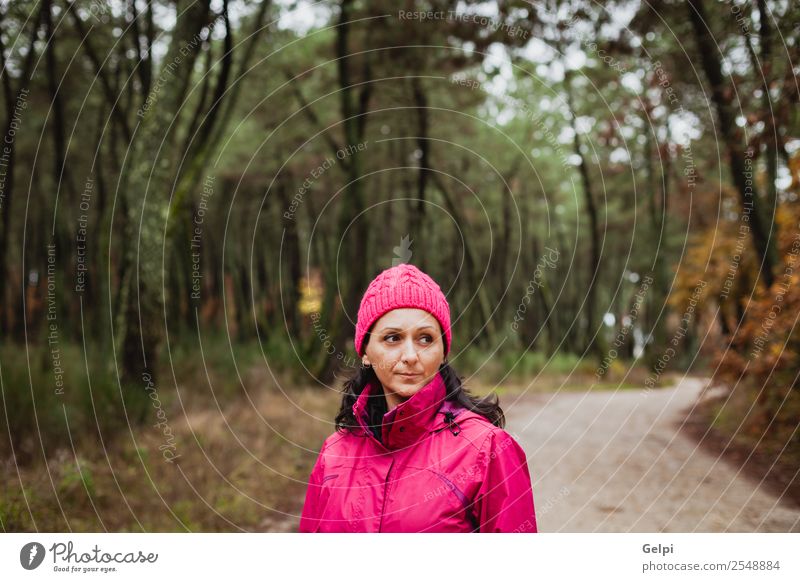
<point x="409" y="351"/>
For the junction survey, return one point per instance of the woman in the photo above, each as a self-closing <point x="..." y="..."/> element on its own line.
<point x="413" y="450"/>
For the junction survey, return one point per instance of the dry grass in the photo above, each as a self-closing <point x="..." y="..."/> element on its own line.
<point x="243" y="453"/>
<point x="761" y="438"/>
<point x="240" y="466"/>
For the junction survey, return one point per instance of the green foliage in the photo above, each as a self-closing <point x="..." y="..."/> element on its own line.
<point x="500" y="180"/>
<point x="76" y="481"/>
<point x="513" y="365"/>
<point x="38" y="410"/>
<point x="14" y="514"/>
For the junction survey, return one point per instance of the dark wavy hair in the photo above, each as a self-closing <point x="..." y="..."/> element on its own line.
<point x="488" y="407"/>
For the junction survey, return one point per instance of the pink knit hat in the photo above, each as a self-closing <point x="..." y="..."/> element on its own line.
<point x="402" y="286"/>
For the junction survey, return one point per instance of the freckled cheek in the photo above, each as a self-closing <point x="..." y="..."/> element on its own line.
<point x="431" y="352"/>
<point x="385" y="357"/>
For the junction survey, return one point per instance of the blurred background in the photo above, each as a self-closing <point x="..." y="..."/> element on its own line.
<point x="195" y="194"/>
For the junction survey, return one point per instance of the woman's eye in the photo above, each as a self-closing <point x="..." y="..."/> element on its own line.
<point x="392" y="338"/>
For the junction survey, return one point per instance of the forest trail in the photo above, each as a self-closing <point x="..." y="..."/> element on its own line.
<point x="619" y="462"/>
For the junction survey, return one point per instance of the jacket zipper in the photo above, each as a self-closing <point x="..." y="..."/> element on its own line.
<point x="385" y="494"/>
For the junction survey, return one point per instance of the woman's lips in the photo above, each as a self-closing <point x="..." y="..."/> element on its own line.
<point x="408" y="375"/>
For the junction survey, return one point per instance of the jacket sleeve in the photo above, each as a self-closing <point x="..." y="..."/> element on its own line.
<point x="309" y="519"/>
<point x="504" y="502"/>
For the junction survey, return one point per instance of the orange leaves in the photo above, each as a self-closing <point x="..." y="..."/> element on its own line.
<point x="767" y="343"/>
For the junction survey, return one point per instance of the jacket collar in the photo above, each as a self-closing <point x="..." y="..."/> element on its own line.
<point x="407" y="422"/>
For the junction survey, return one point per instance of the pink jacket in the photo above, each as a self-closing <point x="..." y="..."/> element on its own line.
<point x="439" y="468"/>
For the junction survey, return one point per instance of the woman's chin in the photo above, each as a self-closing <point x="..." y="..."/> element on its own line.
<point x="405" y="390"/>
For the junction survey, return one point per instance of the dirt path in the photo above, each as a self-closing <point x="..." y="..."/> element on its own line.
<point x="617" y="462"/>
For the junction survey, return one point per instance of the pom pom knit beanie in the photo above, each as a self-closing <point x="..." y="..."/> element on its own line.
<point x="402" y="286"/>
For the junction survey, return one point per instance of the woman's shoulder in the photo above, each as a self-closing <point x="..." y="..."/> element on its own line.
<point x="476" y="428"/>
<point x="481" y="430"/>
<point x="339" y="449"/>
<point x="338" y="440"/>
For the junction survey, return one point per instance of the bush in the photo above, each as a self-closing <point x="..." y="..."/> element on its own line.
<point x="38" y="413"/>
<point x="513" y="364"/>
<point x="765" y="350"/>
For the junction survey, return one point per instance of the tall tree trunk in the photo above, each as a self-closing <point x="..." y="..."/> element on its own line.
<point x="658" y="204"/>
<point x="549" y="316"/>
<point x="354" y="116"/>
<point x="293" y="267"/>
<point x="148" y="186"/>
<point x="568" y="303"/>
<point x="475" y="285"/>
<point x="502" y="283"/>
<point x="352" y="224"/>
<point x="16" y="103"/>
<point x="63" y="180"/>
<point x="97" y="278"/>
<point x="748" y="194"/>
<point x="771" y="135"/>
<point x="592" y="339"/>
<point x="417" y="222"/>
<point x="110" y="92"/>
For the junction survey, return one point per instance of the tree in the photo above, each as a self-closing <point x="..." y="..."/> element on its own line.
<point x="738" y="155"/>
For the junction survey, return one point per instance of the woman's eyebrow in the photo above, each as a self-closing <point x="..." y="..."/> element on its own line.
<point x="388" y="329"/>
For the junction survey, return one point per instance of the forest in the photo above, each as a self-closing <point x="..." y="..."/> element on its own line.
<point x="194" y="195"/>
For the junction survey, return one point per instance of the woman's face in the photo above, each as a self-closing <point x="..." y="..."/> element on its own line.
<point x="405" y="349"/>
